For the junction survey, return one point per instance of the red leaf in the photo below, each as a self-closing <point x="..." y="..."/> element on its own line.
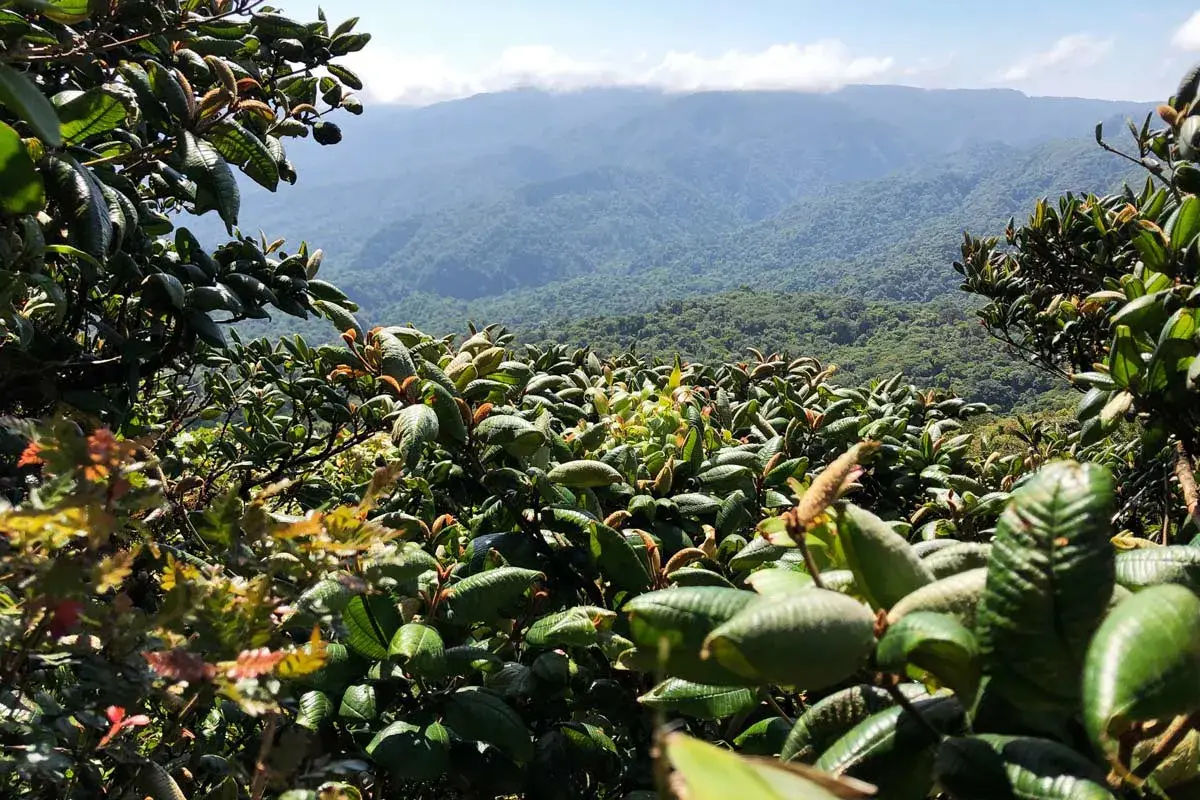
<point x="115" y="714"/>
<point x="180" y="665"/>
<point x="252" y="663"/>
<point x="65" y="617"/>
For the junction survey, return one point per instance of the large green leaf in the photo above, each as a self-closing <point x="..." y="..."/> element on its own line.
<point x="885" y="567"/>
<point x="419" y="650"/>
<point x="370" y="622"/>
<point x="314" y="708"/>
<point x="1150" y="566"/>
<point x="22" y="98"/>
<point x="700" y="700"/>
<point x="936" y="643"/>
<point x="21" y="188"/>
<point x="708" y="772"/>
<point x="991" y="767"/>
<point x="1143" y="663"/>
<point x="408" y="752"/>
<point x="617" y="559"/>
<point x="201" y="162"/>
<point x="893" y="749"/>
<point x="1049" y="580"/>
<point x="78" y="196"/>
<point x="958" y="558"/>
<point x="416" y="426"/>
<point x="584" y="474"/>
<point x="93" y="112"/>
<point x="488" y="594"/>
<point x="957" y="595"/>
<point x="1185" y="224"/>
<point x="830" y="718"/>
<point x="574" y="627"/>
<point x="239" y="146"/>
<point x="675" y="623"/>
<point x="479" y="715"/>
<point x="358" y="703"/>
<point x="775" y="640"/>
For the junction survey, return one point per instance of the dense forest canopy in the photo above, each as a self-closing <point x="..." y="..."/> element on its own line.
<point x="379" y="562"/>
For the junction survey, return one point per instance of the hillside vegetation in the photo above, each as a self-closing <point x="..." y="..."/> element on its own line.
<point x="410" y="564"/>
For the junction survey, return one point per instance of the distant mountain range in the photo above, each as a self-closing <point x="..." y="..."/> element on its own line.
<point x="530" y="207"/>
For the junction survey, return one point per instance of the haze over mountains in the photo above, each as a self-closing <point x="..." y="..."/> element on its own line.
<point x="529" y="207"/>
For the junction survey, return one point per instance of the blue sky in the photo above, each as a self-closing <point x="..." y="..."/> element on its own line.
<point x="429" y="50"/>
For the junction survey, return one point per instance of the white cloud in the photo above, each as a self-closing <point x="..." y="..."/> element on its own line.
<point x="1070" y="52"/>
<point x="416" y="80"/>
<point x="1188" y="35"/>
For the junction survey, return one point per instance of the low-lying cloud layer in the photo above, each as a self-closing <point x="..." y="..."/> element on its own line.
<point x="417" y="80"/>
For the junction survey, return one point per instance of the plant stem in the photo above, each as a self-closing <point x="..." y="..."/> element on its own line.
<point x="893" y="688"/>
<point x="1187" y="482"/>
<point x="1170" y="739"/>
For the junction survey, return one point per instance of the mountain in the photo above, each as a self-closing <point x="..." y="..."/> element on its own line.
<point x="481" y="196"/>
<point x="568" y="214"/>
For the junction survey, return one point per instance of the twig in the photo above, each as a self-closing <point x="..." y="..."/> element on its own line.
<point x="1187" y="482"/>
<point x="775" y="705"/>
<point x="1166" y="745"/>
<point x="259" y="784"/>
<point x="893" y="689"/>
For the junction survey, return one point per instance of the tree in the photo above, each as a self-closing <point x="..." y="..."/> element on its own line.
<point x="116" y="120"/>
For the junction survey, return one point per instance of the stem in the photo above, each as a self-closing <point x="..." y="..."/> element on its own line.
<point x="1187" y="482"/>
<point x="893" y="689"/>
<point x="1171" y="738"/>
<point x="259" y="784"/>
<point x="774" y="704"/>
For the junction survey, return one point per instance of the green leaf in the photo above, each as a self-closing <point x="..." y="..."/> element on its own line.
<point x="65" y="12"/>
<point x="617" y="559"/>
<point x="1049" y="581"/>
<point x="488" y="594"/>
<point x="992" y="767"/>
<point x="370" y="622"/>
<point x="709" y="772"/>
<point x="93" y="112"/>
<point x="78" y="195"/>
<point x="775" y="641"/>
<point x="958" y="558"/>
<point x="571" y="628"/>
<point x="409" y="753"/>
<point x="407" y="565"/>
<point x="22" y="98"/>
<point x="676" y="622"/>
<point x="936" y="643"/>
<point x="699" y="700"/>
<point x="1124" y="358"/>
<point x="885" y="567"/>
<point x="779" y="582"/>
<point x="201" y="162"/>
<point x="584" y="474"/>
<point x="830" y="719"/>
<point x="1150" y="566"/>
<point x="416" y="426"/>
<point x="241" y="147"/>
<point x="513" y="433"/>
<point x="957" y="595"/>
<point x="419" y="650"/>
<point x="892" y="748"/>
<point x="477" y="714"/>
<point x="763" y="738"/>
<point x="1142" y="664"/>
<point x="358" y="703"/>
<point x="1185" y="225"/>
<point x="21" y="188"/>
<point x="315" y="707"/>
<point x="395" y="358"/>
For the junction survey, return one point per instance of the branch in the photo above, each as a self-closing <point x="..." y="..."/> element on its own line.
<point x="1166" y="744"/>
<point x="1187" y="482"/>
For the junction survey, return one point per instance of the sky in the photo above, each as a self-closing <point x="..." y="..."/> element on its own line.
<point x="426" y="51"/>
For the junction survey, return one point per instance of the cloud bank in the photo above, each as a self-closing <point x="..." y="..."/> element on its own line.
<point x="825" y="65"/>
<point x="1187" y="37"/>
<point x="1072" y="52"/>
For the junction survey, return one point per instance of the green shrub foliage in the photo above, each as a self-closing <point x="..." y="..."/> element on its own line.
<point x="412" y="566"/>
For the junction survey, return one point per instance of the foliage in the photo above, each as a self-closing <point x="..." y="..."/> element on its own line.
<point x="113" y="121"/>
<point x="405" y="565"/>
